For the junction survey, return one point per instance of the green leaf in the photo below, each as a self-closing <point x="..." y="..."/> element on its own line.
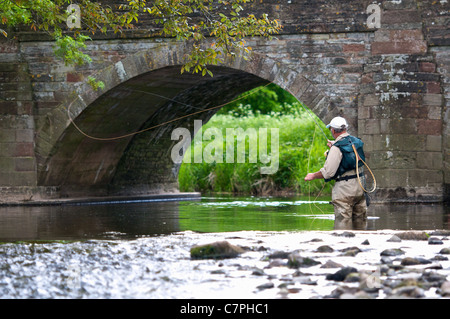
<point x="220" y="19"/>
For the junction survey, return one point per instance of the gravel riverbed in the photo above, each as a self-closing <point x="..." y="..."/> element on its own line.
<point x="311" y="264"/>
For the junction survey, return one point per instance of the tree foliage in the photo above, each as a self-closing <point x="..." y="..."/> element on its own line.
<point x="186" y="20"/>
<point x="270" y="99"/>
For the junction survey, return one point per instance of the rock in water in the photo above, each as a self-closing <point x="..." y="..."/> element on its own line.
<point x="268" y="285"/>
<point x="350" y="251"/>
<point x="435" y="241"/>
<point x="413" y="235"/>
<point x="279" y="255"/>
<point x="217" y="250"/>
<point x="340" y="275"/>
<point x="296" y="261"/>
<point x="445" y="289"/>
<point x="394" y="239"/>
<point x="409" y="292"/>
<point x="409" y="261"/>
<point x="442" y="232"/>
<point x="324" y="249"/>
<point x="392" y="252"/>
<point x="344" y="234"/>
<point x="331" y="264"/>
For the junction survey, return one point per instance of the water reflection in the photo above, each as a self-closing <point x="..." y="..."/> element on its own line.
<point x="410" y="216"/>
<point x="210" y="214"/>
<point x="88" y="221"/>
<point x="221" y="214"/>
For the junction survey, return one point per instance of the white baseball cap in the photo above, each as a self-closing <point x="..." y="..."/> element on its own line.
<point x="338" y="123"/>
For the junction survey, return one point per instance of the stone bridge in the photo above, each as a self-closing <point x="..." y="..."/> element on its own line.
<point x="391" y="82"/>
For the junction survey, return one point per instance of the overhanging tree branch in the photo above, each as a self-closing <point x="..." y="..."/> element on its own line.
<point x="184" y="20"/>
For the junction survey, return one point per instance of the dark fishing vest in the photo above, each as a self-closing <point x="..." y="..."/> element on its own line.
<point x="348" y="161"/>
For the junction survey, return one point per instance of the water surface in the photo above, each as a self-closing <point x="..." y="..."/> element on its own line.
<point x="206" y="215"/>
<point x="142" y="249"/>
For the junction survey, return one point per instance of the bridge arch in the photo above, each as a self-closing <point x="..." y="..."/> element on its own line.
<point x="141" y="91"/>
<point x="391" y="82"/>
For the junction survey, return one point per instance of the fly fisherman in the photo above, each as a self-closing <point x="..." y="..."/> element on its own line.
<point x="348" y="198"/>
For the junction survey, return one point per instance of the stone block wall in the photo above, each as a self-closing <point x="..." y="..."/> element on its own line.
<point x="17" y="127"/>
<point x="391" y="83"/>
<point x="333" y="63"/>
<point x="442" y="58"/>
<point x="401" y="105"/>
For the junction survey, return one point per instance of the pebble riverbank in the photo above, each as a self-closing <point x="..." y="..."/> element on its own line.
<point x="293" y="265"/>
<point x="383" y="264"/>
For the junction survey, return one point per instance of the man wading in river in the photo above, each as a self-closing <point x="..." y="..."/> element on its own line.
<point x="348" y="198"/>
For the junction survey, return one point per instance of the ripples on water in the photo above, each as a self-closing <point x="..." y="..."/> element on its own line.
<point x="141" y="250"/>
<point x="214" y="214"/>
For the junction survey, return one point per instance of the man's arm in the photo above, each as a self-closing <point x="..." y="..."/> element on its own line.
<point x="330" y="167"/>
<point x="313" y="176"/>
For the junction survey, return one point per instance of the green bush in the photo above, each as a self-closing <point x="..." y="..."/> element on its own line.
<point x="301" y="150"/>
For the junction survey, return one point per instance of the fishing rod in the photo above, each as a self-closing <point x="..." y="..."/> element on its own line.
<point x="182" y="117"/>
<point x="161" y="124"/>
<point x="312" y="117"/>
<point x="308" y="111"/>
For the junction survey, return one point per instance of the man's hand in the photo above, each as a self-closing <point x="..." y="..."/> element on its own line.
<point x="313" y="176"/>
<point x="330" y="143"/>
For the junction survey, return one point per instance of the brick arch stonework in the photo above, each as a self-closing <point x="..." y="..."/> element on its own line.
<point x="140" y="92"/>
<point x="390" y="81"/>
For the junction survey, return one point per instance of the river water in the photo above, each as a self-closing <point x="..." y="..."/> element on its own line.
<point x="141" y="249"/>
<point x="206" y="215"/>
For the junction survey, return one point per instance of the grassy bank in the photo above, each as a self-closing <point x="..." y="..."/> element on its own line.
<point x="301" y="150"/>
